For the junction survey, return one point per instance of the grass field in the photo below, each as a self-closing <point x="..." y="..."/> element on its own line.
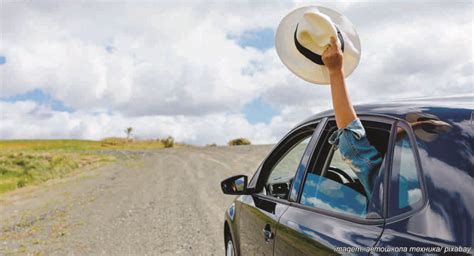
<point x="27" y="162"/>
<point x="78" y="145"/>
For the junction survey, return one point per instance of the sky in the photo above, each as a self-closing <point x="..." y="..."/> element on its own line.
<point x="207" y="71"/>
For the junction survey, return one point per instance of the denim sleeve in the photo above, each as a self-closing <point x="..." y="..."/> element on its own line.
<point x="357" y="152"/>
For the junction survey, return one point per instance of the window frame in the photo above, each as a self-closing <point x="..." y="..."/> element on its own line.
<point x="385" y="119"/>
<point x="419" y="169"/>
<point x="278" y="151"/>
<point x="300" y="175"/>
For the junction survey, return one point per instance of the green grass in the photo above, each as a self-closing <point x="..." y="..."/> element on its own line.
<point x="78" y="145"/>
<point x="46" y="145"/>
<point x="27" y="162"/>
<point x="21" y="169"/>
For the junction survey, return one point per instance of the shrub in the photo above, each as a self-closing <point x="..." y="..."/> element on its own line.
<point x="21" y="183"/>
<point x="211" y="145"/>
<point x="168" y="142"/>
<point x="3" y="170"/>
<point x="239" y="141"/>
<point x="113" y="141"/>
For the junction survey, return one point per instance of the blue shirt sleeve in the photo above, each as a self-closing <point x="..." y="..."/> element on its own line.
<point x="357" y="152"/>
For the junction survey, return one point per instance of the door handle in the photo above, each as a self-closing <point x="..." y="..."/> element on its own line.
<point x="268" y="234"/>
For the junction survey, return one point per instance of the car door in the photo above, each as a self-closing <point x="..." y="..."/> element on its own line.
<point x="259" y="212"/>
<point x="331" y="213"/>
<point x="412" y="226"/>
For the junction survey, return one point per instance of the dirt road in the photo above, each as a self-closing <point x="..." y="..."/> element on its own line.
<point x="163" y="202"/>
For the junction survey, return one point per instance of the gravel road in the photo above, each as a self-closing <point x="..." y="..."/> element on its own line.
<point x="162" y="202"/>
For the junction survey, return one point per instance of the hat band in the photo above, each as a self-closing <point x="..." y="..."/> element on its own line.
<point x="314" y="57"/>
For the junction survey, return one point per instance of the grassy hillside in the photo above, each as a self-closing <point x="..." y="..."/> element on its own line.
<point x="19" y="169"/>
<point x="78" y="145"/>
<point x="26" y="162"/>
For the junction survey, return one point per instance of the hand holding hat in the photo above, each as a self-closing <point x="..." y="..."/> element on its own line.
<point x="332" y="57"/>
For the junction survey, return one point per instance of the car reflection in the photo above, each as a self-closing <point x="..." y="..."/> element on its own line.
<point x="325" y="193"/>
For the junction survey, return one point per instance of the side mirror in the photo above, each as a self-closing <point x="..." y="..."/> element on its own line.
<point x="236" y="185"/>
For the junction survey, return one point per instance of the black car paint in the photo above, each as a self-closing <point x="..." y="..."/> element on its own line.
<point x="257" y="215"/>
<point x="445" y="219"/>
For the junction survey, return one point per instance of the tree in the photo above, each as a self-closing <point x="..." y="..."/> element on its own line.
<point x="128" y="131"/>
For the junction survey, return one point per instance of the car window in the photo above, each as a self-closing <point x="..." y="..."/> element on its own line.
<point x="338" y="164"/>
<point x="331" y="184"/>
<point x="337" y="189"/>
<point x="407" y="193"/>
<point x="282" y="174"/>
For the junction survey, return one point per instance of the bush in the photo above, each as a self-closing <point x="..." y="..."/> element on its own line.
<point x="168" y="142"/>
<point x="113" y="141"/>
<point x="239" y="141"/>
<point x="21" y="183"/>
<point x="211" y="145"/>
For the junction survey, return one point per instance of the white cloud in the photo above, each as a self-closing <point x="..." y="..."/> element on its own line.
<point x="174" y="60"/>
<point x="168" y="66"/>
<point x="316" y="202"/>
<point x="418" y="56"/>
<point x="414" y="195"/>
<point x="28" y="120"/>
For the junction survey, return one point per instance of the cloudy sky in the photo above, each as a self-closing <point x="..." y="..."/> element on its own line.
<point x="206" y="72"/>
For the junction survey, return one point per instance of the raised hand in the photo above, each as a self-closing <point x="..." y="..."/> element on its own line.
<point x="332" y="56"/>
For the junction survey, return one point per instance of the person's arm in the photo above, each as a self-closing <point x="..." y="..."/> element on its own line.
<point x="350" y="138"/>
<point x="343" y="109"/>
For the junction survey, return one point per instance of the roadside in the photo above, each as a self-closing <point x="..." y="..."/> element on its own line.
<point x="165" y="202"/>
<point x="31" y="162"/>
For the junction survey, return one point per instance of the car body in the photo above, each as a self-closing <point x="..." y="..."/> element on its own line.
<point x="303" y="201"/>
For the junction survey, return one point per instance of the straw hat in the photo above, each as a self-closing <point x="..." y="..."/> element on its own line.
<point x="427" y="127"/>
<point x="304" y="34"/>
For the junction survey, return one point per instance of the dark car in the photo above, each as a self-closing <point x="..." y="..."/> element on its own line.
<point x="304" y="200"/>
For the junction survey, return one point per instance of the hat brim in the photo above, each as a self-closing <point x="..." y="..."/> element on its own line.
<point x="302" y="66"/>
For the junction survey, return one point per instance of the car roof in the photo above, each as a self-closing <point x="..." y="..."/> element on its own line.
<point x="442" y="107"/>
